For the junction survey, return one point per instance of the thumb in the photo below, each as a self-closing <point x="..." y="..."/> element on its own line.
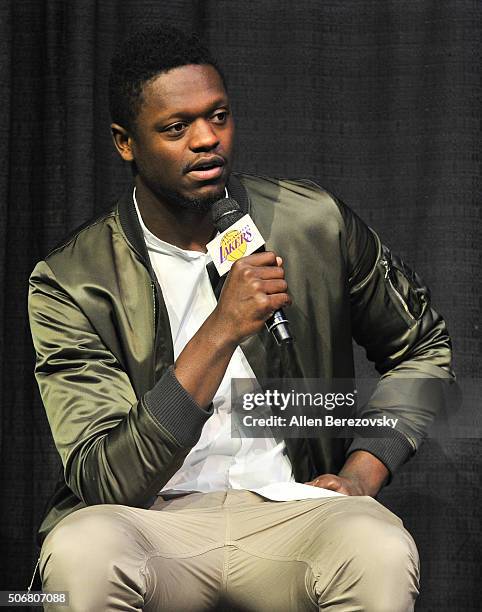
<point x="327" y="481"/>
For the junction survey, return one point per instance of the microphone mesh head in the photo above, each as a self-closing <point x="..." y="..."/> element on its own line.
<point x="225" y="212"/>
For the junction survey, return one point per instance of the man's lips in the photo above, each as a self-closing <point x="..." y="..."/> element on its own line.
<point x="207" y="168"/>
<point x="203" y="175"/>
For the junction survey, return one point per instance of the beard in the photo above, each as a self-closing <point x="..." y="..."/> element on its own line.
<point x="191" y="204"/>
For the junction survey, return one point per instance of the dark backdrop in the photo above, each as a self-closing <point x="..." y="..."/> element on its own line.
<point x="379" y="101"/>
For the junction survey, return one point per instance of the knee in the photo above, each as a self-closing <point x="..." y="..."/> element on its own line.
<point x="380" y="545"/>
<point x="389" y="573"/>
<point x="88" y="540"/>
<point x="93" y="555"/>
<point x="375" y="563"/>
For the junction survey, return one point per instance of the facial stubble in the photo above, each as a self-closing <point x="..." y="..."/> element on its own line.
<point x="191" y="204"/>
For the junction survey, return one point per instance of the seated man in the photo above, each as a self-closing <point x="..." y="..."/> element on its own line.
<point x="155" y="509"/>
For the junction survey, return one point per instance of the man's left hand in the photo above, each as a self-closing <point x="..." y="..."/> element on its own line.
<point x="340" y="484"/>
<point x="362" y="474"/>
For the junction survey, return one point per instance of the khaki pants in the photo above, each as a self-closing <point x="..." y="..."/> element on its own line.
<point x="233" y="550"/>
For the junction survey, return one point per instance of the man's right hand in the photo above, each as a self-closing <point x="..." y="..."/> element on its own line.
<point x="254" y="289"/>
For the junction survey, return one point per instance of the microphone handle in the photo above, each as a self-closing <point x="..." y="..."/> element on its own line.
<point x="278" y="323"/>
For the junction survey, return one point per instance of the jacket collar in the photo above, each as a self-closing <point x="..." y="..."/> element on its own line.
<point x="132" y="228"/>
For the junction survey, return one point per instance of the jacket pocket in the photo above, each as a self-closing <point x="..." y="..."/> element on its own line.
<point x="406" y="289"/>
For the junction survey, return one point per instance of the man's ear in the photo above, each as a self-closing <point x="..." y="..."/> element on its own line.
<point x="122" y="141"/>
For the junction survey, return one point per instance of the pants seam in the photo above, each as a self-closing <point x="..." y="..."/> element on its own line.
<point x="196" y="553"/>
<point x="227" y="550"/>
<point x="266" y="556"/>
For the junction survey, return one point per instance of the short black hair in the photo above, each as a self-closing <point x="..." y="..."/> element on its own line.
<point x="142" y="56"/>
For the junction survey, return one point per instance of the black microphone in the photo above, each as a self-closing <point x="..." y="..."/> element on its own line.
<point x="225" y="212"/>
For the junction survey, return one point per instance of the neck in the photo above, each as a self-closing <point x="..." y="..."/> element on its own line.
<point x="189" y="230"/>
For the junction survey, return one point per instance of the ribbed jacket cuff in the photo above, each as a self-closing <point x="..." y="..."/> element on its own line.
<point x="393" y="451"/>
<point x="176" y="410"/>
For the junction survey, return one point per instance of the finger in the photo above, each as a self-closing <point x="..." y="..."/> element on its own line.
<point x="274" y="286"/>
<point x="328" y="481"/>
<point x="266" y="258"/>
<point x="268" y="272"/>
<point x="279" y="300"/>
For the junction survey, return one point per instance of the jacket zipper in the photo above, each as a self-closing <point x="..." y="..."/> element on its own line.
<point x="153" y="288"/>
<point x="400" y="299"/>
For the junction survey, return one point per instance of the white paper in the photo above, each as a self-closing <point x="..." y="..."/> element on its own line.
<point x="289" y="491"/>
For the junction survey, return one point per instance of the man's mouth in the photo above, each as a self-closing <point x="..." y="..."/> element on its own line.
<point x="207" y="168"/>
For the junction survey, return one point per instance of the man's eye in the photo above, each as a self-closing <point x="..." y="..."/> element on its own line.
<point x="176" y="128"/>
<point x="220" y="117"/>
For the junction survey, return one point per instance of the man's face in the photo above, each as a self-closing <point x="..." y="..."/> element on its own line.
<point x="183" y="137"/>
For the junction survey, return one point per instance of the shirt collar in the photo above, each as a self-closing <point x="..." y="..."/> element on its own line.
<point x="160" y="246"/>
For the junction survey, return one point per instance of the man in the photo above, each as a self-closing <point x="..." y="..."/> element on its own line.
<point x="135" y="355"/>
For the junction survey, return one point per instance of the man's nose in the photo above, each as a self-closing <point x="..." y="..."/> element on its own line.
<point x="203" y="136"/>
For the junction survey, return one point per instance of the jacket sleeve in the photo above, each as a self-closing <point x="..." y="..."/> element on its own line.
<point x="115" y="448"/>
<point x="403" y="335"/>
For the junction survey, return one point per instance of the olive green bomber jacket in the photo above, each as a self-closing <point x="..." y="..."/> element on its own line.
<point x="120" y="420"/>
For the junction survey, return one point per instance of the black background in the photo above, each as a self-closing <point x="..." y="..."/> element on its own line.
<point x="379" y="101"/>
